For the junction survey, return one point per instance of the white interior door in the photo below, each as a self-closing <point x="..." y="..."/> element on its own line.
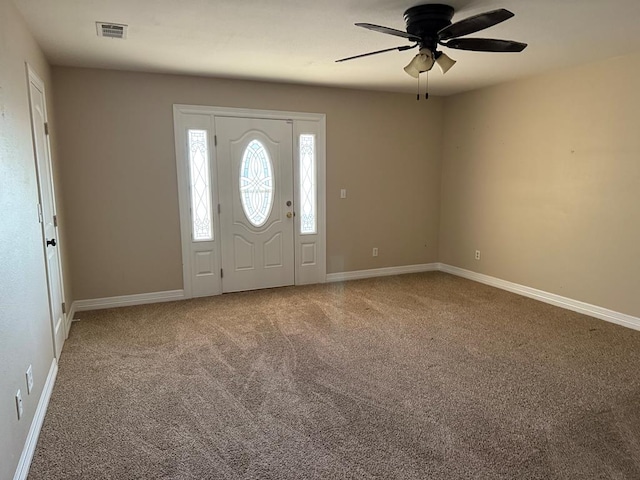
<point x="47" y="209"/>
<point x="255" y="184"/>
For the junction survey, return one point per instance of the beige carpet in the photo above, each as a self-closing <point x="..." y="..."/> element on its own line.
<point x="423" y="376"/>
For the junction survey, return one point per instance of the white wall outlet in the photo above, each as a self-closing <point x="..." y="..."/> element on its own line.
<point x="477" y="254"/>
<point x="343" y="193"/>
<point x="19" y="406"/>
<point x="29" y="375"/>
<point x="375" y="251"/>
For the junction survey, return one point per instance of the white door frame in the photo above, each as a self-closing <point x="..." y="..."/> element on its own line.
<point x="45" y="178"/>
<point x="310" y="250"/>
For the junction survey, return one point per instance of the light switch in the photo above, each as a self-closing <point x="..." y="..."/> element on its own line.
<point x="343" y="193"/>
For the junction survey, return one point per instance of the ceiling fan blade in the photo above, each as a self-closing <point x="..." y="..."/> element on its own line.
<point x="485" y="45"/>
<point x="389" y="31"/>
<point x="475" y="24"/>
<point x="400" y="49"/>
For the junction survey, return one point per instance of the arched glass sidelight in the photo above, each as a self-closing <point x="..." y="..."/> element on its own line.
<point x="256" y="183"/>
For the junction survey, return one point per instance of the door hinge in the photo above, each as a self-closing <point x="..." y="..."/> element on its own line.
<point x="215" y="140"/>
<point x="219" y="209"/>
<point x="221" y="273"/>
<point x="40" y="213"/>
<point x="64" y="307"/>
<point x="46" y="128"/>
<point x="55" y="220"/>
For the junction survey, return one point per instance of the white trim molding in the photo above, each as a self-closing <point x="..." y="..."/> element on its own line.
<point x="540" y="295"/>
<point x="546" y="297"/>
<point x="36" y="425"/>
<point x="381" y="272"/>
<point x="127" y="300"/>
<point x="69" y="319"/>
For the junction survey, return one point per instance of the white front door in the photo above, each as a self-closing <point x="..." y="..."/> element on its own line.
<point x="47" y="209"/>
<point x="255" y="184"/>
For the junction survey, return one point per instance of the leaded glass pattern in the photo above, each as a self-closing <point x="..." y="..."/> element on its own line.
<point x="202" y="225"/>
<point x="256" y="183"/>
<point x="308" y="184"/>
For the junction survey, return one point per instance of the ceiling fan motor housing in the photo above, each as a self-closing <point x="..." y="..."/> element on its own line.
<point x="425" y="21"/>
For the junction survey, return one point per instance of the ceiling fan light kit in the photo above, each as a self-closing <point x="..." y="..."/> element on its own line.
<point x="445" y="62"/>
<point x="429" y="26"/>
<point x="422" y="62"/>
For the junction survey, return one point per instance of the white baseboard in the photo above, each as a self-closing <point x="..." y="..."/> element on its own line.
<point x="34" y="431"/>
<point x="69" y="319"/>
<point x="127" y="300"/>
<point x="546" y="297"/>
<point x="381" y="272"/>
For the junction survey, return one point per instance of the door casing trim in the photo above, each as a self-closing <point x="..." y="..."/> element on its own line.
<point x="34" y="78"/>
<point x="300" y="120"/>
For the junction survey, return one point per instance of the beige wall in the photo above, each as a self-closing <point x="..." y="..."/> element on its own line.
<point x="543" y="176"/>
<point x="25" y="331"/>
<point x="540" y="175"/>
<point x="118" y="159"/>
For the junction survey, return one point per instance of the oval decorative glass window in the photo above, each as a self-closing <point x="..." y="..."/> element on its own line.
<point x="256" y="183"/>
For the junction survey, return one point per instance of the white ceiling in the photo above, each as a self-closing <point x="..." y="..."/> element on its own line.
<point x="297" y="41"/>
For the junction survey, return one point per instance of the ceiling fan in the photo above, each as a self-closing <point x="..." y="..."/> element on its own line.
<point x="429" y="26"/>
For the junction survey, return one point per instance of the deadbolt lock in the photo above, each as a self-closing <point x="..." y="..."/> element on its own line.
<point x="288" y="203"/>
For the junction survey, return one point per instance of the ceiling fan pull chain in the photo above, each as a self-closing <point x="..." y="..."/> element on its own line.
<point x="426" y="93"/>
<point x="418" y="96"/>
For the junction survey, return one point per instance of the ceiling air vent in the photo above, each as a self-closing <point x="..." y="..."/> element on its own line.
<point x="111" y="30"/>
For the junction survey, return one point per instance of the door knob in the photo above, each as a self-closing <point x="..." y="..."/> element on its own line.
<point x="51" y="242"/>
<point x="289" y="214"/>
